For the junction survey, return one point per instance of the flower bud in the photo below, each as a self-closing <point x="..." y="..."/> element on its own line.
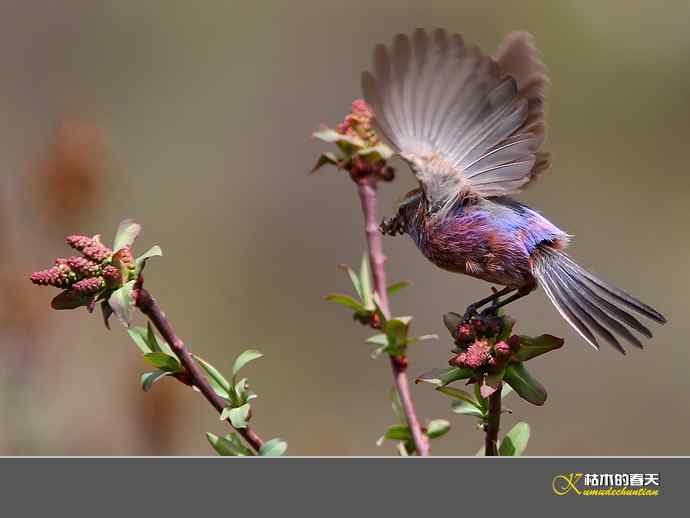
<point x="83" y="266"/>
<point x="88" y="286"/>
<point x="112" y="276"/>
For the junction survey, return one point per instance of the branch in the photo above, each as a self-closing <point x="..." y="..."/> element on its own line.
<point x="493" y="424"/>
<point x="148" y="305"/>
<point x="366" y="188"/>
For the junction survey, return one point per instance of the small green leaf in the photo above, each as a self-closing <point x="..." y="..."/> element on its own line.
<point x="443" y="377"/>
<point x="354" y="278"/>
<point x="515" y="441"/>
<point x="376" y="153"/>
<point x="379" y="339"/>
<point x="221" y="385"/>
<point x="122" y="303"/>
<point x="525" y="385"/>
<point x="396" y="287"/>
<point x="397" y="406"/>
<point x="241" y="391"/>
<point x="365" y="283"/>
<point x="149" y="378"/>
<point x="162" y="361"/>
<point x="126" y="233"/>
<point x="532" y="347"/>
<point x="69" y="299"/>
<point x="437" y="428"/>
<point x="330" y="135"/>
<point x="398" y="432"/>
<point x="452" y="321"/>
<point x="456" y="393"/>
<point x="505" y="390"/>
<point x="154" y="251"/>
<point x="244" y="358"/>
<point x="138" y="336"/>
<point x="325" y="158"/>
<point x="507" y="325"/>
<point x="347" y="301"/>
<point x="228" y="446"/>
<point x="107" y="311"/>
<point x="465" y="408"/>
<point x="238" y="415"/>
<point x="273" y="448"/>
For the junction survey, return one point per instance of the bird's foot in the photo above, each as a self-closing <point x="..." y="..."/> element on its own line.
<point x="470" y="313"/>
<point x="391" y="226"/>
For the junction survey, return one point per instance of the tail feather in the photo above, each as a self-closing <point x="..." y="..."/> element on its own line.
<point x="589" y="304"/>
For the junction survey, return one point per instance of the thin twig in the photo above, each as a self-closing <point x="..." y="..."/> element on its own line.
<point x="366" y="188"/>
<point x="148" y="305"/>
<point x="493" y="424"/>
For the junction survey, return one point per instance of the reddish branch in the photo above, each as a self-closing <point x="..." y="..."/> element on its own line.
<point x="148" y="305"/>
<point x="366" y="187"/>
<point x="493" y="424"/>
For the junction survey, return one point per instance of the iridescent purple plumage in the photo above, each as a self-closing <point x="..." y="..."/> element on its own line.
<point x="471" y="126"/>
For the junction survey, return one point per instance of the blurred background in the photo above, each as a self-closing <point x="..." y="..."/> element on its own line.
<point x="194" y="119"/>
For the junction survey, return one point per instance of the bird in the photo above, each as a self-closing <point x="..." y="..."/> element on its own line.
<point x="471" y="128"/>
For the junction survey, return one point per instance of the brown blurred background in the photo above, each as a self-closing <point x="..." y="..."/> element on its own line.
<point x="194" y="119"/>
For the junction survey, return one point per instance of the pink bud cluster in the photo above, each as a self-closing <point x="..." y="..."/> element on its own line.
<point x="358" y="123"/>
<point x="83" y="277"/>
<point x="91" y="247"/>
<point x="479" y="347"/>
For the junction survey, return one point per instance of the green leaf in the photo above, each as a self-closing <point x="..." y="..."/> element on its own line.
<point x="238" y="415"/>
<point x="154" y="251"/>
<point x="376" y="153"/>
<point x="396" y="287"/>
<point x="365" y="283"/>
<point x="347" y="301"/>
<point x="126" y="233"/>
<point x="241" y="391"/>
<point x="465" y="408"/>
<point x="273" y="448"/>
<point x="443" y="377"/>
<point x="149" y="378"/>
<point x="525" y="385"/>
<point x="330" y="135"/>
<point x="325" y="158"/>
<point x="515" y="441"/>
<point x="397" y="406"/>
<point x="162" y="361"/>
<point x="456" y="393"/>
<point x="398" y="432"/>
<point x="107" y="311"/>
<point x="353" y="278"/>
<point x="244" y="358"/>
<point x="122" y="303"/>
<point x="139" y="337"/>
<point x="505" y="390"/>
<point x="452" y="321"/>
<point x="69" y="299"/>
<point x="379" y="339"/>
<point x="437" y="428"/>
<point x="532" y="347"/>
<point x="221" y="385"/>
<point x="228" y="446"/>
<point x="507" y="325"/>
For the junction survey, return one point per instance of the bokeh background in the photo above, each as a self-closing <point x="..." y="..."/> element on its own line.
<point x="194" y="119"/>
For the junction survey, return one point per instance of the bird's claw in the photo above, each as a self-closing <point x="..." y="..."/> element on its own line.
<point x="391" y="226"/>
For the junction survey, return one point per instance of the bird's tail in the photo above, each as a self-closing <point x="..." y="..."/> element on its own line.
<point x="590" y="304"/>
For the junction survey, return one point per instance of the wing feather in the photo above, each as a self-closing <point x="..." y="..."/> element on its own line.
<point x="465" y="121"/>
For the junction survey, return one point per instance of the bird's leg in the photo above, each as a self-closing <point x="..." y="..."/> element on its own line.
<point x="521" y="292"/>
<point x="472" y="308"/>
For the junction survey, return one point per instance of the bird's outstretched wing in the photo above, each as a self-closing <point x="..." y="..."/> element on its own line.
<point x="466" y="122"/>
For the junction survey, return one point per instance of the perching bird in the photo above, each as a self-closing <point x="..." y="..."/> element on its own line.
<point x="470" y="126"/>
